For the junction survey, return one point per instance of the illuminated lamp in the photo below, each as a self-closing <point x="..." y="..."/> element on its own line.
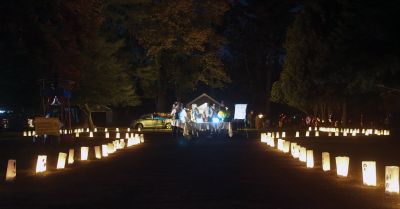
<point x="110" y="148"/>
<point x="315" y="128"/>
<point x="122" y="143"/>
<point x="268" y="139"/>
<point x="336" y="133"/>
<point x="77" y="134"/>
<point x="87" y="129"/>
<point x="128" y="130"/>
<point x="62" y="157"/>
<point x="280" y="144"/>
<point x="137" y="140"/>
<point x="330" y="134"/>
<point x="24" y="133"/>
<point x="41" y="163"/>
<point x="303" y="154"/>
<point x="138" y="129"/>
<point x="260" y="115"/>
<point x="264" y="138"/>
<point x="293" y="145"/>
<point x="104" y="151"/>
<point x="71" y="156"/>
<point x="130" y="142"/>
<point x="342" y="165"/>
<point x="116" y="129"/>
<point x="297" y="134"/>
<point x="116" y="144"/>
<point x="29" y="133"/>
<point x="117" y="135"/>
<point x="97" y="152"/>
<point x="310" y="159"/>
<point x="326" y="161"/>
<point x="354" y="134"/>
<point x="286" y="146"/>
<point x="141" y="138"/>
<point x="309" y="128"/>
<point x="107" y="135"/>
<point x="91" y="134"/>
<point x="369" y="172"/>
<point x="272" y="142"/>
<point x="11" y="173"/>
<point x="344" y="133"/>
<point x="296" y="151"/>
<point x="316" y="133"/>
<point x="392" y="179"/>
<point x="126" y="135"/>
<point x="283" y="134"/>
<point x="307" y="133"/>
<point x="230" y="130"/>
<point x="84" y="153"/>
<point x="277" y="135"/>
<point x="105" y="129"/>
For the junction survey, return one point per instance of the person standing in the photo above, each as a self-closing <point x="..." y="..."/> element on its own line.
<point x="250" y="119"/>
<point x="211" y="112"/>
<point x="175" y="119"/>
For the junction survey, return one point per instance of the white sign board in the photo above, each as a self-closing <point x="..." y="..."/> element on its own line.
<point x="240" y="111"/>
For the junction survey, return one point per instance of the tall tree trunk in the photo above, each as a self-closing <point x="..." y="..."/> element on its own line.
<point x="344" y="113"/>
<point x="268" y="86"/>
<point x="162" y="86"/>
<point x="323" y="113"/>
<point x="329" y="113"/>
<point x="161" y="101"/>
<point x="88" y="114"/>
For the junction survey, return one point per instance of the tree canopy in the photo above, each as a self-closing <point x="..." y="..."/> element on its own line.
<point x="336" y="51"/>
<point x="61" y="40"/>
<point x="180" y="43"/>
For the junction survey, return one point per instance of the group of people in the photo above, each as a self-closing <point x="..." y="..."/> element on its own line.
<point x="197" y="114"/>
<point x="206" y="115"/>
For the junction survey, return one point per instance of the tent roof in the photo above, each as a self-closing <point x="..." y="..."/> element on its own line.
<point x="202" y="99"/>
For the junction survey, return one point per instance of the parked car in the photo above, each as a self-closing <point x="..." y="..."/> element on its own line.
<point x="152" y="120"/>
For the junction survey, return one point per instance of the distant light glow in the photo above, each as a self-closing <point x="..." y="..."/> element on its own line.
<point x="215" y="120"/>
<point x="30" y="123"/>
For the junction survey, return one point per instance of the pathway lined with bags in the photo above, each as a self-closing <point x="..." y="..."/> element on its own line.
<point x="206" y="173"/>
